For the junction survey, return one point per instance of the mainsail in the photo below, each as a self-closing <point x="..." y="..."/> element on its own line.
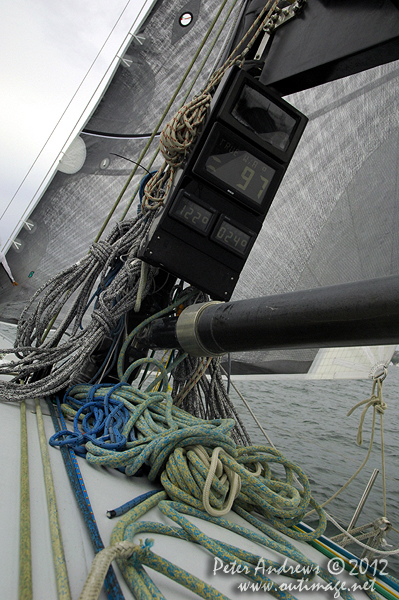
<point x="334" y="219"/>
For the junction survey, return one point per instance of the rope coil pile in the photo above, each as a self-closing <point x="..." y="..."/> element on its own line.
<point x="197" y="461"/>
<point x="75" y="285"/>
<point x="37" y="356"/>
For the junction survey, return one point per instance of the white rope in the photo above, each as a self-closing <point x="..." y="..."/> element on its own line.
<point x="379" y="405"/>
<point x="101" y="563"/>
<point x="382" y="552"/>
<point x="142" y="284"/>
<point x="223" y="473"/>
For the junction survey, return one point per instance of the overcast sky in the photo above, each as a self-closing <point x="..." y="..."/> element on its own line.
<point x="53" y="54"/>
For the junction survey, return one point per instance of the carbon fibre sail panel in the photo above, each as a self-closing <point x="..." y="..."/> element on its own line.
<point x="73" y="208"/>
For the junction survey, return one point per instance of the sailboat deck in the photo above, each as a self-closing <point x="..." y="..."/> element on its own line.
<point x="107" y="489"/>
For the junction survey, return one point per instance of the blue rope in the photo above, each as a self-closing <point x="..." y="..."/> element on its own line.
<point x="121" y="510"/>
<point x="107" y="416"/>
<point x="102" y="420"/>
<point x="111" y="584"/>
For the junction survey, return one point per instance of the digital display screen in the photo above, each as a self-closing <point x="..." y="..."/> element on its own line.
<point x="232" y="237"/>
<point x="240" y="170"/>
<point x="262" y="116"/>
<point x="191" y="213"/>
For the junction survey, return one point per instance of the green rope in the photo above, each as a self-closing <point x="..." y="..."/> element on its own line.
<point x="156" y="129"/>
<point x="61" y="574"/>
<point x="25" y="557"/>
<point x="168" y="440"/>
<point x="199" y="71"/>
<point x="121" y="359"/>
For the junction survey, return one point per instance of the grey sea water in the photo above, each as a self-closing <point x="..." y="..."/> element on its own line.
<point x="307" y="421"/>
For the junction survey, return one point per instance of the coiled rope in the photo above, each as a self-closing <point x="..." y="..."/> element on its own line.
<point x="74" y="285"/>
<point x="111" y="583"/>
<point x="64" y="358"/>
<point x="127" y="429"/>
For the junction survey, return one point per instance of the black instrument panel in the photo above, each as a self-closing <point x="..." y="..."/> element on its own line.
<point x="212" y="217"/>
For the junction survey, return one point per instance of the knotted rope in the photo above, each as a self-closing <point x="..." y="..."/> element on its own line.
<point x="379" y="406"/>
<point x="110" y="261"/>
<point x="181" y="132"/>
<point x="197" y="461"/>
<point x="376" y="401"/>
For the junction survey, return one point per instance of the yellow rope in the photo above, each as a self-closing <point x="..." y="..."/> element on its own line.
<point x="157" y="126"/>
<point x="201" y="67"/>
<point x="25" y="557"/>
<point x="376" y="401"/>
<point x="55" y="530"/>
<point x="180" y="133"/>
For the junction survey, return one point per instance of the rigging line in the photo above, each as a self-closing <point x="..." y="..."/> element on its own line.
<point x="295" y="434"/>
<point x="158" y="125"/>
<point x="206" y="57"/>
<point x="200" y="69"/>
<point x="56" y="540"/>
<point x="249" y="409"/>
<point x="233" y="28"/>
<point x="130" y="160"/>
<point x="380" y="552"/>
<point x="253" y="415"/>
<point x="70" y="102"/>
<point x="25" y="554"/>
<point x="189" y="118"/>
<point x="384" y="484"/>
<point x="367" y="455"/>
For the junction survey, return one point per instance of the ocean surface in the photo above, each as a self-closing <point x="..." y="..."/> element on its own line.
<point x="307" y="421"/>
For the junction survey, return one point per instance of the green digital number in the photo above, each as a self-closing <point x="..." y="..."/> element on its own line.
<point x="262" y="189"/>
<point x="247" y="175"/>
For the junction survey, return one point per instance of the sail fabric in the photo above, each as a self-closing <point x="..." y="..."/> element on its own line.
<point x="365" y="362"/>
<point x="333" y="220"/>
<point x="335" y="217"/>
<point x="74" y="206"/>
